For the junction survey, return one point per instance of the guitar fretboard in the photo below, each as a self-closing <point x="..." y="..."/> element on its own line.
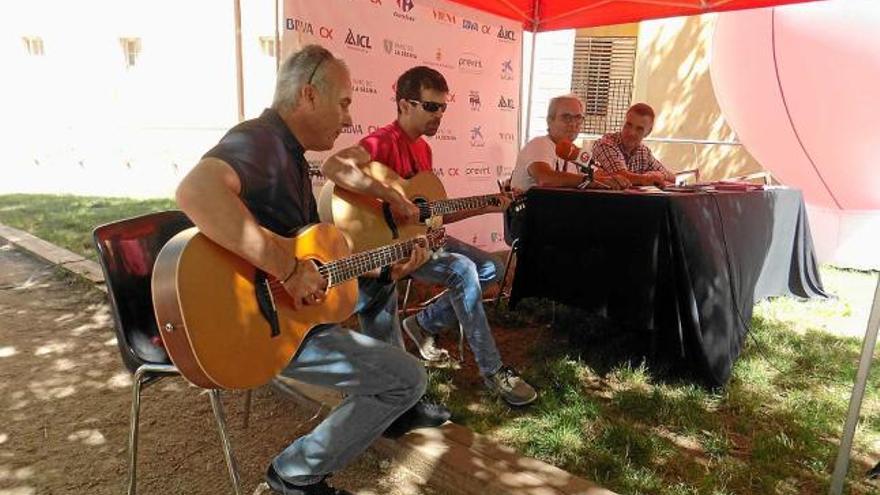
<point x="446" y="206"/>
<point x="342" y="270"/>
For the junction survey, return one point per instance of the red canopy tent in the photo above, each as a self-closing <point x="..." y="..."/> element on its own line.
<point x="549" y="15"/>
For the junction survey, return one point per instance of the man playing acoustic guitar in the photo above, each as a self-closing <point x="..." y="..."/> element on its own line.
<point x="463" y="269"/>
<point x="251" y="189"/>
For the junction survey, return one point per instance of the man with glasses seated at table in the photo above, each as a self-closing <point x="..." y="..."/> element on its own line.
<point x="463" y="269"/>
<point x="623" y="152"/>
<point x="537" y="163"/>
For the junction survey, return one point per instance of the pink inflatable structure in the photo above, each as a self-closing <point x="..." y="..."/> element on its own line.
<point x="800" y="85"/>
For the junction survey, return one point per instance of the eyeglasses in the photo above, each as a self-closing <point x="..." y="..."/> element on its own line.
<point x="324" y="57"/>
<point x="429" y="106"/>
<point x="569" y="118"/>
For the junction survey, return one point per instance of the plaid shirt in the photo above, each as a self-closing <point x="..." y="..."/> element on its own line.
<point x="609" y="155"/>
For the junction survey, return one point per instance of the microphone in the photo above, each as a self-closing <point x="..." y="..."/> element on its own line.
<point x="581" y="159"/>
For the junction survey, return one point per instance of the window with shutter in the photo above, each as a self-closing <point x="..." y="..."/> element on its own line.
<point x="602" y="77"/>
<point x="33" y="45"/>
<point x="131" y="49"/>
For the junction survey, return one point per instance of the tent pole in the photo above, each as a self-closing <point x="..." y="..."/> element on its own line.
<point x="277" y="36"/>
<point x="858" y="393"/>
<point x="239" y="71"/>
<point x="535" y="21"/>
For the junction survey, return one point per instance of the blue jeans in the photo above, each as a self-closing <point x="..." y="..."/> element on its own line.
<point x="379" y="381"/>
<point x="465" y="271"/>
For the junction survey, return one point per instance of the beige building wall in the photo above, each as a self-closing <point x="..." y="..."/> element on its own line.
<point x="672" y="75"/>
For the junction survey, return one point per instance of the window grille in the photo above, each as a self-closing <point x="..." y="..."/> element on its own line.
<point x="602" y="77"/>
<point x="131" y="49"/>
<point x="33" y="45"/>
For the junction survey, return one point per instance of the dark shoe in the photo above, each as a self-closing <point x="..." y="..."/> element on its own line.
<point x="507" y="383"/>
<point x="424" y="414"/>
<point x="281" y="487"/>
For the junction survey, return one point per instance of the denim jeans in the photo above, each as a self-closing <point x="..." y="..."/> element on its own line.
<point x="465" y="271"/>
<point x="380" y="382"/>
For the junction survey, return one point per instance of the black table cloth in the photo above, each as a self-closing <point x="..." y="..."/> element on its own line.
<point x="686" y="268"/>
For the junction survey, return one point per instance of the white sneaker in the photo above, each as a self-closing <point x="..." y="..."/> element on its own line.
<point x="424" y="341"/>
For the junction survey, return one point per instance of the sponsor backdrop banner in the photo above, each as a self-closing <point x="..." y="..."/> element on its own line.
<point x="478" y="54"/>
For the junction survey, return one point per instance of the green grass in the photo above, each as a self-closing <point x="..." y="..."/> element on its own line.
<point x="607" y="416"/>
<point x="67" y="221"/>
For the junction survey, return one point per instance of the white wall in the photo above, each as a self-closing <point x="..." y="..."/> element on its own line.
<point x="77" y="121"/>
<point x="554" y="58"/>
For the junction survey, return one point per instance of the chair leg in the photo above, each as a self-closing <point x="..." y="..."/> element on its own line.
<point x="214" y="394"/>
<point x="133" y="433"/>
<point x="405" y="297"/>
<point x="247" y="409"/>
<point x="506" y="270"/>
<point x="134" y="430"/>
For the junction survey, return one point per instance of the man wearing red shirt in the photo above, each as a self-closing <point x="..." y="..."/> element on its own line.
<point x="463" y="269"/>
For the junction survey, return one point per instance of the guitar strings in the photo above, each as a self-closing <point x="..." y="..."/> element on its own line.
<point x="339" y="271"/>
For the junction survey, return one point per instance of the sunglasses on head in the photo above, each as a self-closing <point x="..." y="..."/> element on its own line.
<point x="429" y="106"/>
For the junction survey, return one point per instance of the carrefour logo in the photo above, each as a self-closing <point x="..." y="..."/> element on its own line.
<point x="470" y="63"/>
<point x="403" y="8"/>
<point x="358" y="41"/>
<point x="504" y="34"/>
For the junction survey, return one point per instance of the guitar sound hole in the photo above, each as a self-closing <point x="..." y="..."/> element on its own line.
<point x="424" y="208"/>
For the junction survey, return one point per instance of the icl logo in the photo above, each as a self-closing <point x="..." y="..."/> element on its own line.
<point x="358" y="40"/>
<point x="506" y="34"/>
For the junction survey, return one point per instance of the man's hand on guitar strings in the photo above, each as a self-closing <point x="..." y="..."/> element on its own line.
<point x="419" y="256"/>
<point x="306" y="286"/>
<point x="403" y="210"/>
<point x="504" y="201"/>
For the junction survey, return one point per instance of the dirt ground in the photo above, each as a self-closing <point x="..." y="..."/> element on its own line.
<point x="65" y="402"/>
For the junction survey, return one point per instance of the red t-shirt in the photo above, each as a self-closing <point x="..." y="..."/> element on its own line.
<point x="391" y="146"/>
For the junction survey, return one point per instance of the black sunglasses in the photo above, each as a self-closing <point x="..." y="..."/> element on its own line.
<point x="429" y="106"/>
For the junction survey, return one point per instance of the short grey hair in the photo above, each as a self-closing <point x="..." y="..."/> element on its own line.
<point x="310" y="62"/>
<point x="555" y="101"/>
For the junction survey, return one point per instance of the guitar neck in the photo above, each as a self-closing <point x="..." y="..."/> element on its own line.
<point x="447" y="206"/>
<point x="342" y="270"/>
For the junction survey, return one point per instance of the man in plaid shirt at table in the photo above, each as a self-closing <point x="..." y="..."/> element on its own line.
<point x="623" y="152"/>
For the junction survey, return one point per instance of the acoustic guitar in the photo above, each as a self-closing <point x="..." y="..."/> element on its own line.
<point x="226" y="324"/>
<point x="368" y="222"/>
